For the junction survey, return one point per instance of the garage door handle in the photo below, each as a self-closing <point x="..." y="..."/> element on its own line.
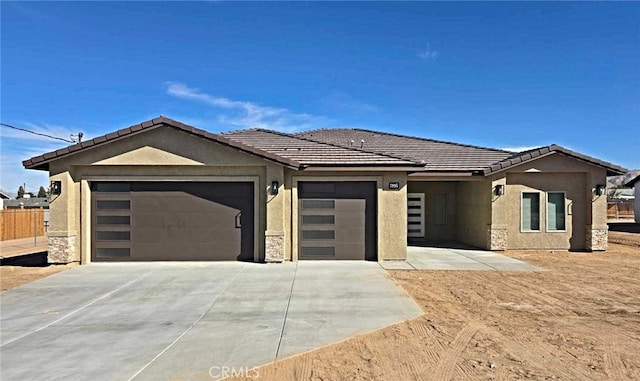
<point x="239" y="220"/>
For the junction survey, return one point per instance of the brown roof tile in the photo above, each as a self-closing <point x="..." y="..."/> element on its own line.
<point x="310" y="152"/>
<point x="436" y="155"/>
<point x="287" y="150"/>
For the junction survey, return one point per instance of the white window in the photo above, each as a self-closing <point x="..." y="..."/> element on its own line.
<point x="556" y="211"/>
<point x="530" y="212"/>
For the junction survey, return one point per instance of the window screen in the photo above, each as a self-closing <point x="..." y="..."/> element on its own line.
<point x="530" y="211"/>
<point x="555" y="211"/>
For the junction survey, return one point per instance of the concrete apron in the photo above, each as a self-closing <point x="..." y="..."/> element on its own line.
<point x="436" y="258"/>
<point x="155" y="321"/>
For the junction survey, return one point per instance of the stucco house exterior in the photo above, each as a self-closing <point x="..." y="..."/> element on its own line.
<point x="635" y="184"/>
<point x="164" y="190"/>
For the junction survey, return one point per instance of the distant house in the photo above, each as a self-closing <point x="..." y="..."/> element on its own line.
<point x="3" y="197"/>
<point x="27" y="203"/>
<point x="635" y="182"/>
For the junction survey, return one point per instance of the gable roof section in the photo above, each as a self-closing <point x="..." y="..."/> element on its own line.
<point x="310" y="152"/>
<point x="42" y="161"/>
<point x="436" y="155"/>
<point x="306" y="150"/>
<point x="536" y="153"/>
<point x="631" y="183"/>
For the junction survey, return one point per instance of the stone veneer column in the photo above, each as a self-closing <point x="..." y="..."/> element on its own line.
<point x="274" y="247"/>
<point x="596" y="238"/>
<point x="61" y="249"/>
<point x="498" y="238"/>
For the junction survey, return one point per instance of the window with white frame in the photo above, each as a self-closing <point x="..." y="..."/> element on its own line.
<point x="556" y="211"/>
<point x="530" y="207"/>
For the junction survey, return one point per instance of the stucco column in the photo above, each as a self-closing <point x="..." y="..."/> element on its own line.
<point x="497" y="235"/>
<point x="274" y="234"/>
<point x="64" y="212"/>
<point x="392" y="218"/>
<point x="596" y="229"/>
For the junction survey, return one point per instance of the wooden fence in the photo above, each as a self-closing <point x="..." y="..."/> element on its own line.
<point x="620" y="209"/>
<point x="21" y="223"/>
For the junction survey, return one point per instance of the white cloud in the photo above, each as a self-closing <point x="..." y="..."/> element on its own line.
<point x="244" y="114"/>
<point x="519" y="149"/>
<point x="428" y="54"/>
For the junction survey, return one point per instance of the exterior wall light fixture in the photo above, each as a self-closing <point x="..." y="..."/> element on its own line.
<point x="56" y="187"/>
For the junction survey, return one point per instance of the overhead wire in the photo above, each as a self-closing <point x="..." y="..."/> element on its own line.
<point x="36" y="133"/>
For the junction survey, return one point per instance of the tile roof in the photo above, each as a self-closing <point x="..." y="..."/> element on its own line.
<point x="311" y="152"/>
<point x="308" y="153"/>
<point x="536" y="153"/>
<point x="343" y="147"/>
<point x="437" y="155"/>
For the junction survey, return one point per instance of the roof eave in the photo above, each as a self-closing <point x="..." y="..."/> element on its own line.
<point x="42" y="162"/>
<point x="529" y="156"/>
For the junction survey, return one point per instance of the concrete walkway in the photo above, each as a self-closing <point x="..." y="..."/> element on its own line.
<point x="160" y="321"/>
<point x="22" y="246"/>
<point x="437" y="258"/>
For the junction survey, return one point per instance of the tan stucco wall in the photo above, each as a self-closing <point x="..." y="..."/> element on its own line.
<point x="586" y="212"/>
<point x="433" y="231"/>
<point x="391" y="208"/>
<point x="473" y="212"/>
<point x="163" y="153"/>
<point x="636" y="204"/>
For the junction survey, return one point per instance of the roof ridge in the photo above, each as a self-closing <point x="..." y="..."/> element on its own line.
<point x="294" y="136"/>
<point x="534" y="153"/>
<point x="407" y="136"/>
<point x="431" y="140"/>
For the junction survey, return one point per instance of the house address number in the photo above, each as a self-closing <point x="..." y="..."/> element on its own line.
<point x="394" y="185"/>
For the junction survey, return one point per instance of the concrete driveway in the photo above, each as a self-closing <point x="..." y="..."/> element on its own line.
<point x="456" y="258"/>
<point x="160" y="321"/>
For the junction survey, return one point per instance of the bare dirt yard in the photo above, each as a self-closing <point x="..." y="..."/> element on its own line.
<point x="580" y="320"/>
<point x="14" y="276"/>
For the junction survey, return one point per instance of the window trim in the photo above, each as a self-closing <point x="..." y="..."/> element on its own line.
<point x="564" y="197"/>
<point x="522" y="229"/>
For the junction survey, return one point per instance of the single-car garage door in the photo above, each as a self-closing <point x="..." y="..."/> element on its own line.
<point x="337" y="220"/>
<point x="172" y="221"/>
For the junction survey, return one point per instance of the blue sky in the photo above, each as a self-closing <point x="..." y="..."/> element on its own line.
<point x="503" y="75"/>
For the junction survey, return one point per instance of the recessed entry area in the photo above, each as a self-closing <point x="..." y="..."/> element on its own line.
<point x="337" y="220"/>
<point x="172" y="221"/>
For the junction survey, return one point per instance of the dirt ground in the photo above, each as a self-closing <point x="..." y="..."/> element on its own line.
<point x="14" y="276"/>
<point x="580" y="320"/>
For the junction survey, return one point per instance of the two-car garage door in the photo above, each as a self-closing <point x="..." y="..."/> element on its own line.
<point x="147" y="221"/>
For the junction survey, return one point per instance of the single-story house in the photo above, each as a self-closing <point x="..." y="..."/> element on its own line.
<point x="27" y="203"/>
<point x="635" y="184"/>
<point x="3" y="196"/>
<point x="164" y="190"/>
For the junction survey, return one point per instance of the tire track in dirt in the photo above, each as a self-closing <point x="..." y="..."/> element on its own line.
<point x="445" y="369"/>
<point x="537" y="354"/>
<point x="422" y="329"/>
<point x="300" y="372"/>
<point x="614" y="367"/>
<point x="613" y="364"/>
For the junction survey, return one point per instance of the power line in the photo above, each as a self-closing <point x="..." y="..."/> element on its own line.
<point x="36" y="133"/>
